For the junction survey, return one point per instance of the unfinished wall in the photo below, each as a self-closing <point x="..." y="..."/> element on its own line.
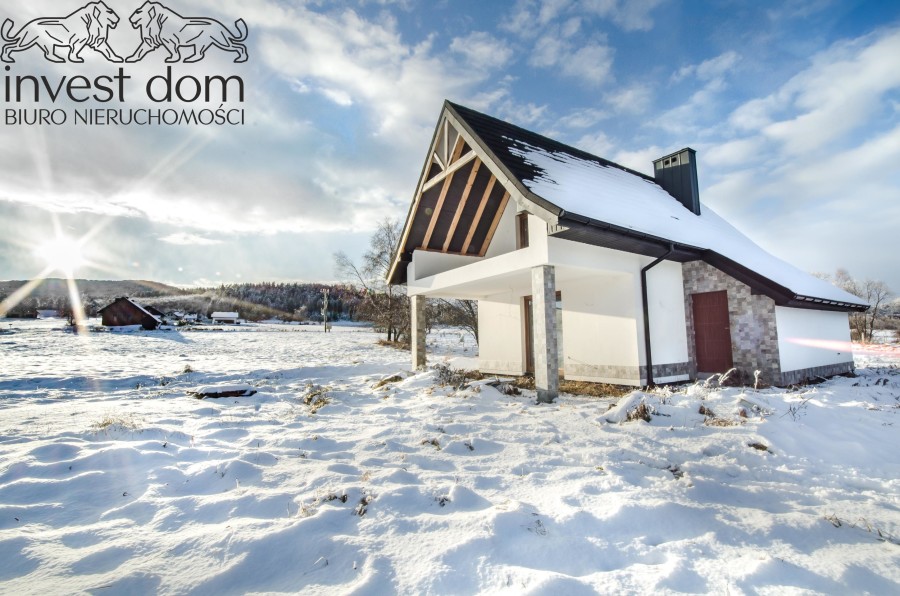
<point x="601" y="334"/>
<point x="504" y="239"/>
<point x="812" y="343"/>
<point x="501" y="343"/>
<point x="668" y="335"/>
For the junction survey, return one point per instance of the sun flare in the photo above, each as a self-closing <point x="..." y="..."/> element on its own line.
<point x="61" y="253"/>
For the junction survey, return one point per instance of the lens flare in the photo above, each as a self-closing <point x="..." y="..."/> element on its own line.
<point x="62" y="254"/>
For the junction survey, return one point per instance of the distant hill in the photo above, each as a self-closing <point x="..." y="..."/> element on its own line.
<point x="54" y="288"/>
<point x="254" y="301"/>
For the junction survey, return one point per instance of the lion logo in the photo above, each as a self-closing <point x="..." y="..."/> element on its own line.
<point x="163" y="27"/>
<point x="87" y="27"/>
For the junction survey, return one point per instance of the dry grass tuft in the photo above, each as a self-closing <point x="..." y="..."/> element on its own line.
<point x="316" y="397"/>
<point x="578" y="387"/>
<point x="433" y="442"/>
<point x="110" y="421"/>
<point x="391" y="379"/>
<point x="397" y="345"/>
<point x="642" y="412"/>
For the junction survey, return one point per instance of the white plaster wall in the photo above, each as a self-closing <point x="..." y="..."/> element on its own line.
<point x="668" y="329"/>
<point x="798" y="327"/>
<point x="504" y="239"/>
<point x="501" y="344"/>
<point x="426" y="263"/>
<point x="600" y="327"/>
<point x="576" y="254"/>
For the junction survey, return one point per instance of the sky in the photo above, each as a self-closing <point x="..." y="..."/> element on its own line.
<point x="793" y="108"/>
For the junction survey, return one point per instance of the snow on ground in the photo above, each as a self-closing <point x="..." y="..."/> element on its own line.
<point x="336" y="478"/>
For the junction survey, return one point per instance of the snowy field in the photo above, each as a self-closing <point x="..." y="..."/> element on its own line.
<point x="114" y="481"/>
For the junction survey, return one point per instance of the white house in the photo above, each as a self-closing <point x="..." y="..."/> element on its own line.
<point x="229" y="318"/>
<point x="588" y="269"/>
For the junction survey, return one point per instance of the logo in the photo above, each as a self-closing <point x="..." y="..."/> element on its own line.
<point x="86" y="27"/>
<point x="100" y="99"/>
<point x="158" y="25"/>
<point x="162" y="26"/>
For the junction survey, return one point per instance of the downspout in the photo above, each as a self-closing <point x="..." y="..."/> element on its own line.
<point x="646" y="305"/>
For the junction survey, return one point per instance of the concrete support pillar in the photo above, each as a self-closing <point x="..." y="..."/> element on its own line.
<point x="417" y="327"/>
<point x="546" y="353"/>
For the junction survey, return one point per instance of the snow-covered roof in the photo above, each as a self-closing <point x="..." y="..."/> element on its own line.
<point x="578" y="186"/>
<point x="224" y="315"/>
<point x="613" y="195"/>
<point x="147" y="312"/>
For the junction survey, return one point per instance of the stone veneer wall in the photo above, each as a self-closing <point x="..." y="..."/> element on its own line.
<point x="628" y="375"/>
<point x="754" y="334"/>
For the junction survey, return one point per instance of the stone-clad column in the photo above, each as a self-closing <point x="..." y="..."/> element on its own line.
<point x="417" y="327"/>
<point x="546" y="355"/>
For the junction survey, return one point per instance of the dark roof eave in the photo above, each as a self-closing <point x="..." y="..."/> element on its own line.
<point x="781" y="295"/>
<point x="664" y="243"/>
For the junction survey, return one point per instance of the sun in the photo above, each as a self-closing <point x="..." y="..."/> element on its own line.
<point x="61" y="253"/>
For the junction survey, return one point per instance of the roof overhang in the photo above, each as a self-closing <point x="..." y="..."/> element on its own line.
<point x="597" y="233"/>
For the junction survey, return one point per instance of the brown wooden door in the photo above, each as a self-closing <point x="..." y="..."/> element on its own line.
<point x="712" y="332"/>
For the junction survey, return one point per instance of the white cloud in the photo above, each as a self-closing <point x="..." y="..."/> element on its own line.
<point x="338" y="96"/>
<point x="734" y="153"/>
<point x="839" y="92"/>
<point x="185" y="239"/>
<point x="548" y="51"/>
<point x="630" y="15"/>
<point x="589" y="63"/>
<point x="482" y="50"/>
<point x="634" y="15"/>
<point x="583" y="118"/>
<point x="521" y="114"/>
<point x="640" y="159"/>
<point x="635" y="99"/>
<point x="596" y="144"/>
<point x="708" y="69"/>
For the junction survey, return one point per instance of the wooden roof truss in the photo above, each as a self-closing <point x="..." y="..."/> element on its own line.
<point x="459" y="202"/>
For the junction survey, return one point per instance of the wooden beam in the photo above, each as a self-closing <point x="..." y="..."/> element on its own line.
<point x="440" y="202"/>
<point x="478" y="214"/>
<point x="449" y="171"/>
<point x="457" y="148"/>
<point x="494" y="224"/>
<point x="437" y="159"/>
<point x="437" y="210"/>
<point x="462" y="204"/>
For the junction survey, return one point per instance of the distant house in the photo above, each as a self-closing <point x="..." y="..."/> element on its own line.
<point x="155" y="311"/>
<point x="125" y="311"/>
<point x="585" y="268"/>
<point x="226" y="318"/>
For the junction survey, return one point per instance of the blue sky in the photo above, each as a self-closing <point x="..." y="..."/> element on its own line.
<point x="793" y="108"/>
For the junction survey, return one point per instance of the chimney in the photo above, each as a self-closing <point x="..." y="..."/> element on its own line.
<point x="677" y="174"/>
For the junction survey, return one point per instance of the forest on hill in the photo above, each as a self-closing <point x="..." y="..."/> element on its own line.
<point x="253" y="301"/>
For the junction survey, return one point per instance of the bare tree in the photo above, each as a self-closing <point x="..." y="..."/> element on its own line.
<point x="876" y="294"/>
<point x="873" y="291"/>
<point x="456" y="313"/>
<point x="387" y="305"/>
